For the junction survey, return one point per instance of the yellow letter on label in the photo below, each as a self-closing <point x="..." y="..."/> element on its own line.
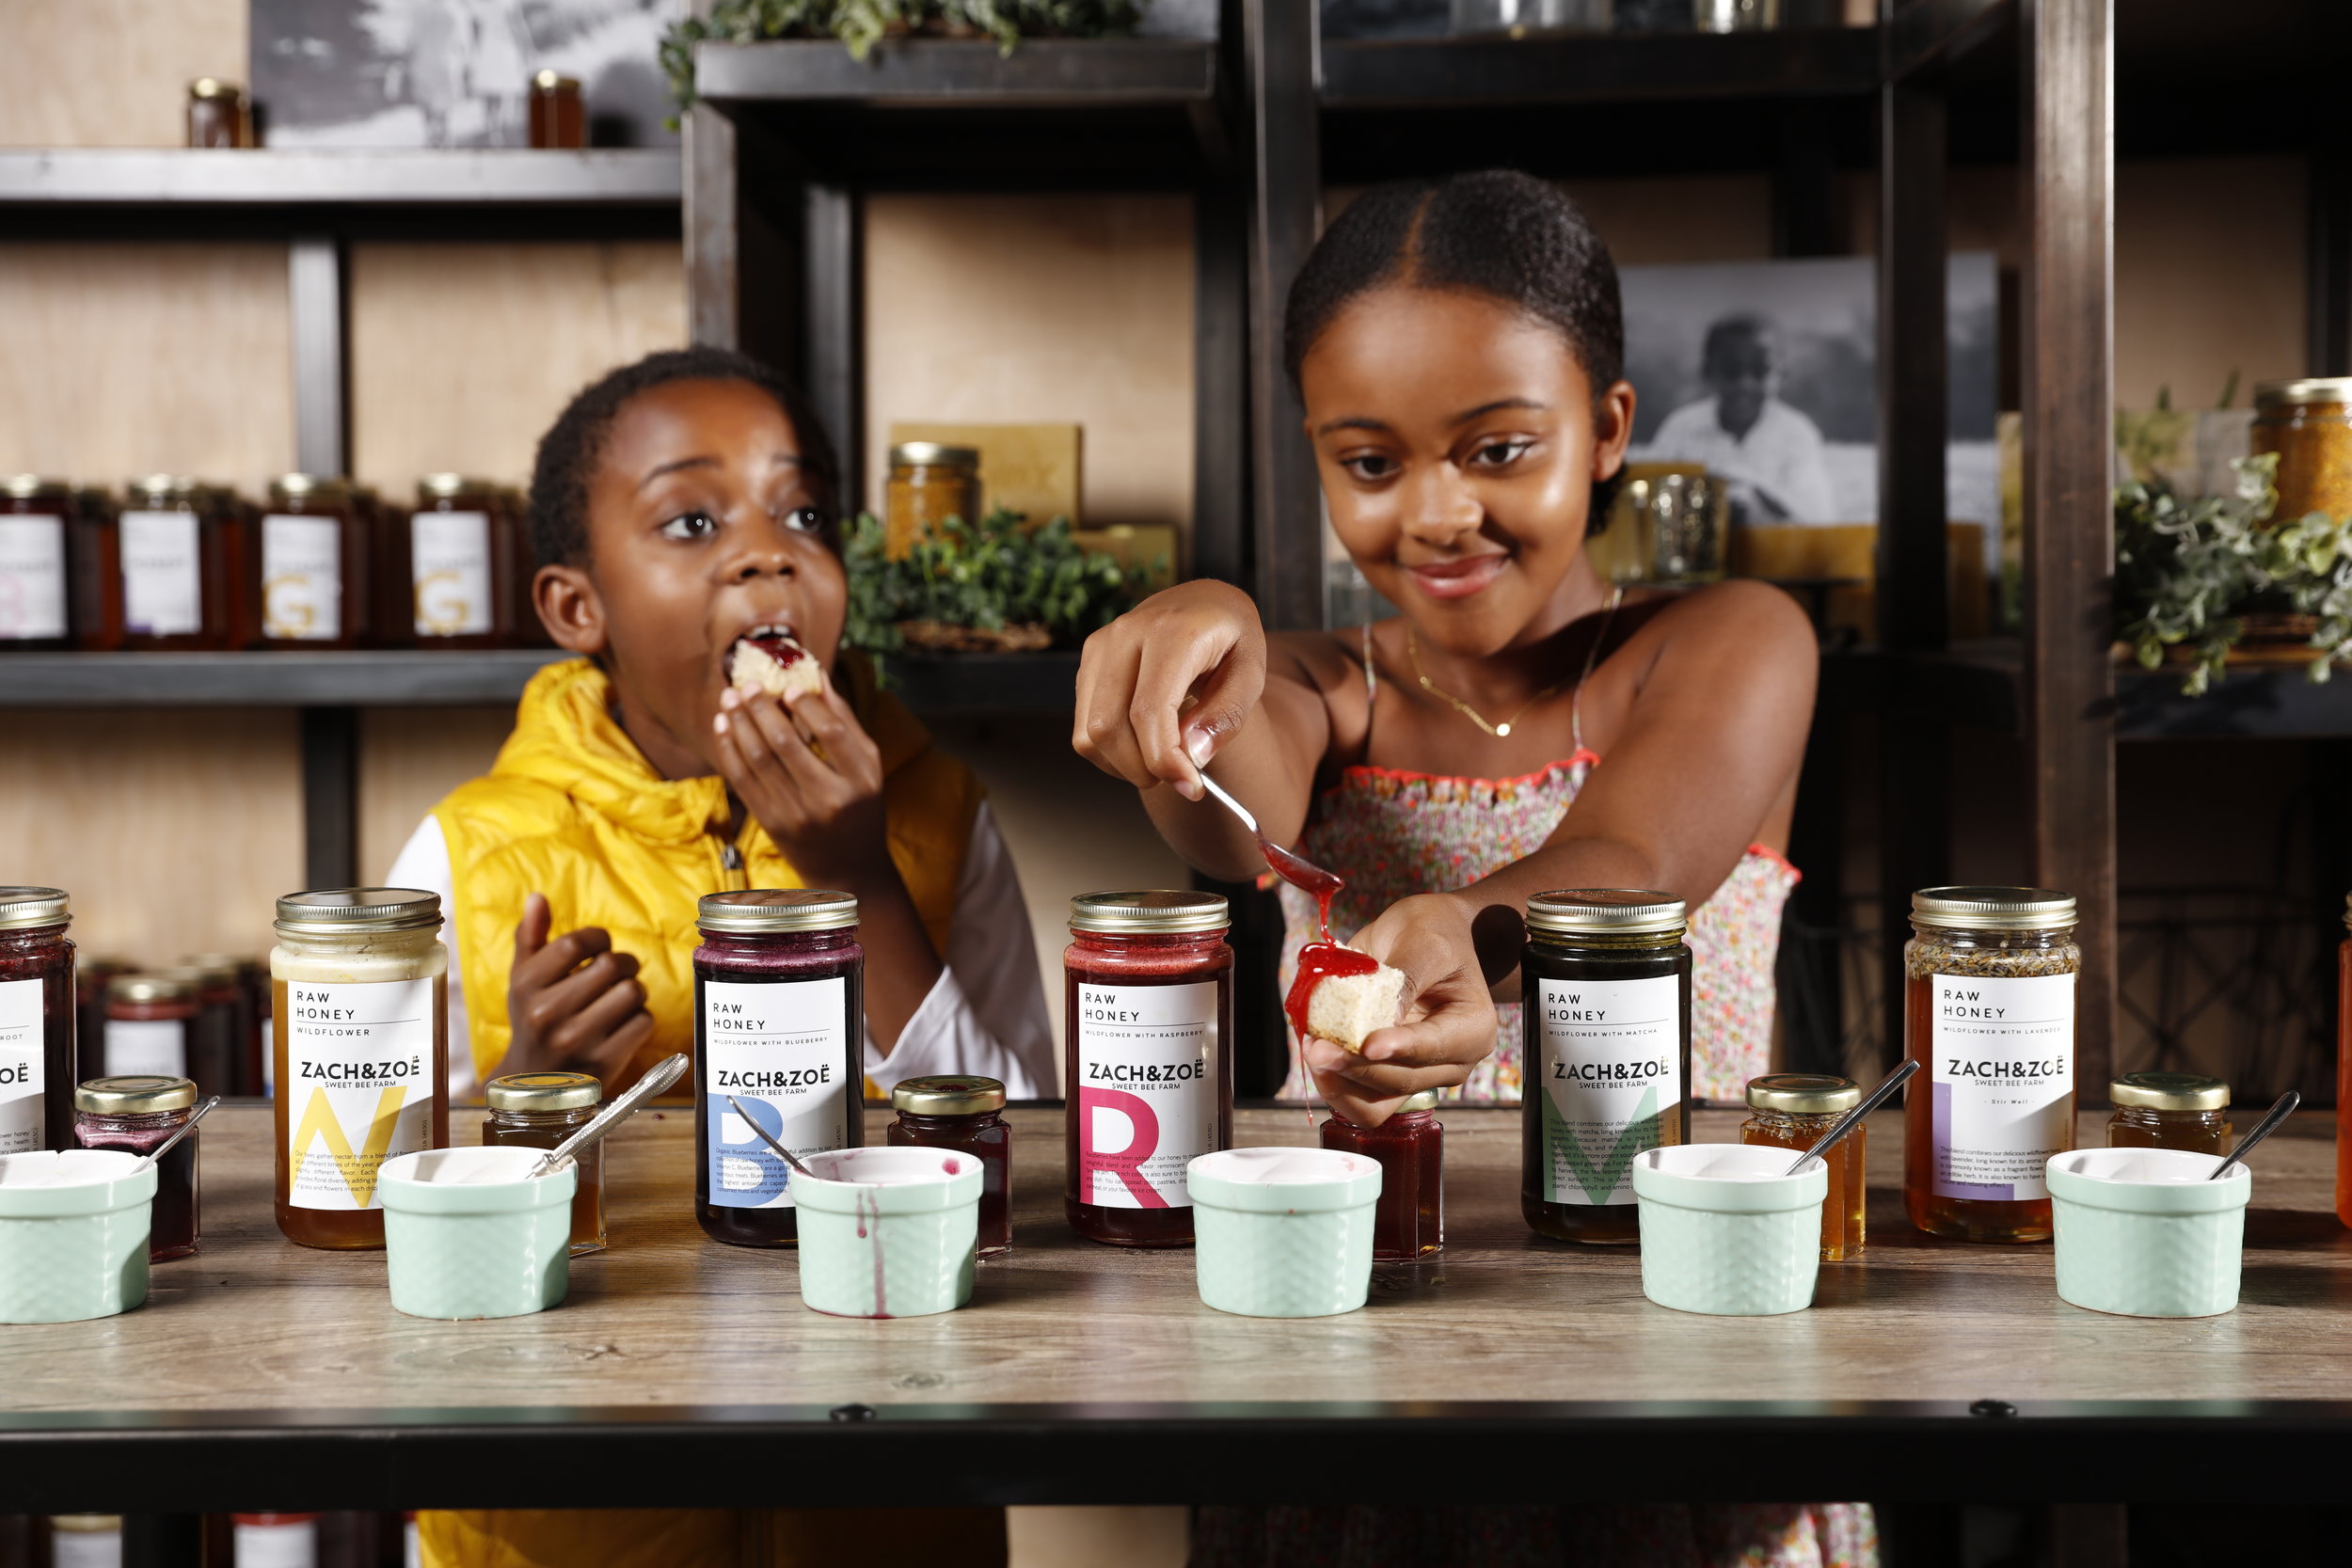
<point x="358" y="1171"/>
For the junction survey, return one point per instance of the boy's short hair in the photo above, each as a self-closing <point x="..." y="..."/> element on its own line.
<point x="570" y="450"/>
<point x="1743" y="326"/>
<point x="1510" y="236"/>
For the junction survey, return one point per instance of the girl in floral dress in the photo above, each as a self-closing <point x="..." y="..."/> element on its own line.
<point x="1521" y="727"/>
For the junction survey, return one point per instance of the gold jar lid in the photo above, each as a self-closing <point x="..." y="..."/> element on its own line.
<point x="1993" y="908"/>
<point x="1606" y="911"/>
<point x="1169" y="912"/>
<point x="168" y="985"/>
<point x="212" y="87"/>
<point x="34" y="486"/>
<point x="164" y="492"/>
<point x="554" y="81"/>
<point x="2169" y="1091"/>
<point x="137" y="1093"/>
<point x="23" y="907"/>
<point x="773" y="910"/>
<point x="1804" y="1094"/>
<point x="2303" y="392"/>
<point x="543" y="1091"/>
<point x="350" y="912"/>
<point x="87" y="1524"/>
<point x="934" y="454"/>
<point x="442" y="488"/>
<point x="1424" y="1101"/>
<point x="292" y="488"/>
<point x="956" y="1094"/>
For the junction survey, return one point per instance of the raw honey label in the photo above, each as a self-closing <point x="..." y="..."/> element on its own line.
<point x="32" y="578"/>
<point x="1609" y="1060"/>
<point x="162" y="576"/>
<point x="358" y="1086"/>
<point x="20" y="1064"/>
<point x="2001" y="1081"/>
<point x="783" y="1048"/>
<point x="1147" y="1094"/>
<point x="302" y="578"/>
<point x="449" y="554"/>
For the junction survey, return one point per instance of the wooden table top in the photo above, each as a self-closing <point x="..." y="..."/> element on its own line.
<point x="257" y="1329"/>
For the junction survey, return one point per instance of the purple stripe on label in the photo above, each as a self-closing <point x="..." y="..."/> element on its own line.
<point x="1941" y="1115"/>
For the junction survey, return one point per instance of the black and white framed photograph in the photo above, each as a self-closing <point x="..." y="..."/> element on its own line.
<point x="455" y="72"/>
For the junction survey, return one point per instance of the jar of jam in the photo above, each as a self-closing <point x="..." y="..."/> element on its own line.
<point x="780" y="1027"/>
<point x="1989" y="1016"/>
<point x="559" y="117"/>
<point x="147" y="1018"/>
<point x="2308" y="423"/>
<point x="1794" y="1110"/>
<point x="1149" y="1060"/>
<point x="37" y="1066"/>
<point x="1605" y="978"/>
<point x="539" y="1110"/>
<point x="137" y="1112"/>
<point x="360" y="1045"/>
<point x="182" y="546"/>
<point x="1409" y="1221"/>
<point x="216" y="1035"/>
<point x="37" y="565"/>
<point x="2170" y="1110"/>
<point x="452" y="566"/>
<point x="929" y="483"/>
<point x="218" y="115"/>
<point x="962" y="1112"/>
<point x="313" y="581"/>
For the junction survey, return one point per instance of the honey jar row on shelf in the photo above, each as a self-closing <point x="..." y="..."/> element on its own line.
<point x="177" y="565"/>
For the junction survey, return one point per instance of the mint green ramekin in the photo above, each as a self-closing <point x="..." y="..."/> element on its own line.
<point x="480" y="1248"/>
<point x="1283" y="1232"/>
<point x="887" y="1233"/>
<point x="75" y="1251"/>
<point x="2143" y="1232"/>
<point x="1726" y="1231"/>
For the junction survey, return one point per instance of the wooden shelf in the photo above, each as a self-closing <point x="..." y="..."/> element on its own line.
<point x="1607" y="68"/>
<point x="968" y="683"/>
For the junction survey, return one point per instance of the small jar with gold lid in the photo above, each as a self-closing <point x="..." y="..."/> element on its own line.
<point x="218" y="115"/>
<point x="136" y="1113"/>
<point x="2308" y="425"/>
<point x="539" y="1110"/>
<point x="37" y="518"/>
<point x="1794" y="1110"/>
<point x="181" y="580"/>
<point x="963" y="1112"/>
<point x="312" y="566"/>
<point x="452" y="566"/>
<point x="2170" y="1110"/>
<point x="930" y="482"/>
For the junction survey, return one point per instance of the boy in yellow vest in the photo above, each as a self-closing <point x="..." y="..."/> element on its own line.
<point x="683" y="508"/>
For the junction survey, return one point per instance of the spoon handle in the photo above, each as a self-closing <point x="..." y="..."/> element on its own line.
<point x="765" y="1136"/>
<point x="1219" y="793"/>
<point x="1853" y="1118"/>
<point x="186" y="1127"/>
<point x="659" y="1077"/>
<point x="2263" y="1128"/>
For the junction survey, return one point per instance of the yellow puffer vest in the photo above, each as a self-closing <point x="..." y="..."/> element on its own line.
<point x="571" y="809"/>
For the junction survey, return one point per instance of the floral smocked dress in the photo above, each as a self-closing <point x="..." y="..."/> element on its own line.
<point x="1392" y="835"/>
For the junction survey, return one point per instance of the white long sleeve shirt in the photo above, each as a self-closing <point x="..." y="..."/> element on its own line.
<point x="986" y="1013"/>
<point x="1780" y="454"/>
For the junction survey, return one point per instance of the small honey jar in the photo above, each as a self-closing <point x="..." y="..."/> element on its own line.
<point x="2186" y="1111"/>
<point x="1794" y="1110"/>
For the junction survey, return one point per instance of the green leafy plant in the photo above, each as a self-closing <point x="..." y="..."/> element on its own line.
<point x="991" y="577"/>
<point x="863" y="24"/>
<point x="2189" y="572"/>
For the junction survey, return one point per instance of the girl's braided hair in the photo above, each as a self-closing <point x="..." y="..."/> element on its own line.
<point x="570" y="450"/>
<point x="1509" y="236"/>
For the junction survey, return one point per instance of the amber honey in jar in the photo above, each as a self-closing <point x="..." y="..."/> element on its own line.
<point x="2186" y="1111"/>
<point x="1149" y="1060"/>
<point x="1795" y="1110"/>
<point x="454" y="563"/>
<point x="218" y="115"/>
<point x="36" y="517"/>
<point x="930" y="482"/>
<point x="313" y="587"/>
<point x="539" y="1110"/>
<point x="559" y="115"/>
<point x="2308" y="425"/>
<point x="1989" y="1016"/>
<point x="181" y="550"/>
<point x="1606" y="979"/>
<point x="359" y="1023"/>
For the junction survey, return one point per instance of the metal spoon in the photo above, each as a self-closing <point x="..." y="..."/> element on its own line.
<point x="661" y="1076"/>
<point x="185" y="1128"/>
<point x="1293" y="868"/>
<point x="1853" y="1118"/>
<point x="2263" y="1128"/>
<point x="761" y="1134"/>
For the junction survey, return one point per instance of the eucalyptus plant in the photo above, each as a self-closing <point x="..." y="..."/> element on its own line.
<point x="863" y="24"/>
<point x="2188" y="572"/>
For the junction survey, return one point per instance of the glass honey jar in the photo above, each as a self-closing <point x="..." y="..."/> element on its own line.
<point x="311" y="582"/>
<point x="36" y="563"/>
<point x="2186" y="1111"/>
<point x="181" y="549"/>
<point x="929" y="483"/>
<point x="1794" y="1110"/>
<point x="450" y="570"/>
<point x="539" y="1110"/>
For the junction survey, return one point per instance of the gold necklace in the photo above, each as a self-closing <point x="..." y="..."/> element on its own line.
<point x="1502" y="731"/>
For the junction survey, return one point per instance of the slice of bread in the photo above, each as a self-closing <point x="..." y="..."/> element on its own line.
<point x="757" y="671"/>
<point x="1344" y="1008"/>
